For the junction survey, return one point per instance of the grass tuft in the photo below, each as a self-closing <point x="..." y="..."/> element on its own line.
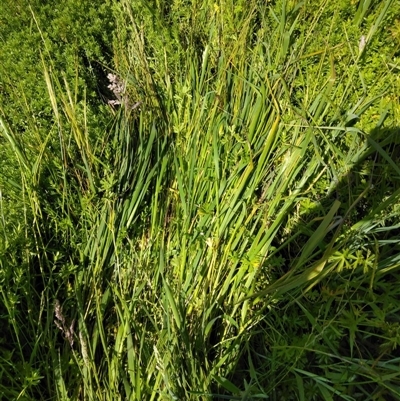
<point x="234" y="235"/>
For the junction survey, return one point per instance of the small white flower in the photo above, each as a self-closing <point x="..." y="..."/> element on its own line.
<point x="118" y="88"/>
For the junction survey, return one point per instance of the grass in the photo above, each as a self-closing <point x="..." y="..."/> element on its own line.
<point x="235" y="236"/>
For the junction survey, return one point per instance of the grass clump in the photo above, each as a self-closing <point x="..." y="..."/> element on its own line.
<point x="231" y="233"/>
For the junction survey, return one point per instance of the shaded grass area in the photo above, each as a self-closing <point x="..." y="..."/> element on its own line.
<point x="233" y="236"/>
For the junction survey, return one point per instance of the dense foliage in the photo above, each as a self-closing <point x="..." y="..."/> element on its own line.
<point x="228" y="228"/>
<point x="73" y="38"/>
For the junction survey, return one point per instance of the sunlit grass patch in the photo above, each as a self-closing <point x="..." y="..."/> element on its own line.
<point x="232" y="236"/>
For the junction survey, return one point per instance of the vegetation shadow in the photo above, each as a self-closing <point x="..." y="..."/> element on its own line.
<point x="345" y="327"/>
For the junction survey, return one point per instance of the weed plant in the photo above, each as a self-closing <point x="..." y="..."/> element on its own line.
<point x="232" y="233"/>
